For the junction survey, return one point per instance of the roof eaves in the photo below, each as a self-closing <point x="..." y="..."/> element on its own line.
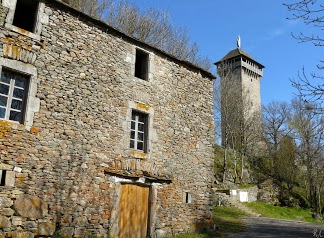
<point x="238" y="52"/>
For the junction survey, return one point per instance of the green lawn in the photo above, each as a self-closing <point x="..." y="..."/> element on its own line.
<point x="287" y="213"/>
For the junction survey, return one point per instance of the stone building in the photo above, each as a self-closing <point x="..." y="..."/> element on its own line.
<point x="240" y="77"/>
<point x="99" y="132"/>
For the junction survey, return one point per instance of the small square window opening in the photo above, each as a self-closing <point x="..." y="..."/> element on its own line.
<point x="13" y="87"/>
<point x="138" y="133"/>
<point x="141" y="64"/>
<point x="3" y="177"/>
<point x="26" y="14"/>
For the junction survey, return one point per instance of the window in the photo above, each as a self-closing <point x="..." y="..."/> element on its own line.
<point x="141" y="64"/>
<point x="26" y="14"/>
<point x="187" y="197"/>
<point x="138" y="134"/>
<point x="3" y="177"/>
<point x="7" y="178"/>
<point x="12" y="95"/>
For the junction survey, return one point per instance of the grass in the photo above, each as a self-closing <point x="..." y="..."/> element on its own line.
<point x="246" y="185"/>
<point x="227" y="220"/>
<point x="286" y="213"/>
<point x="190" y="236"/>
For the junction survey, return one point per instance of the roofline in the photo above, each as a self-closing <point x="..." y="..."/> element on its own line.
<point x="241" y="55"/>
<point x="130" y="38"/>
<point x="262" y="66"/>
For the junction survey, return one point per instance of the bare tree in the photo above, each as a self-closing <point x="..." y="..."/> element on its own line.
<point x="239" y="124"/>
<point x="275" y="127"/>
<point x="150" y="26"/>
<point x="228" y="113"/>
<point x="308" y="128"/>
<point x="311" y="12"/>
<point x="94" y="8"/>
<point x="310" y="92"/>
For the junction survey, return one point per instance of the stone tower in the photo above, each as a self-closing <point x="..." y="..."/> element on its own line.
<point x="240" y="77"/>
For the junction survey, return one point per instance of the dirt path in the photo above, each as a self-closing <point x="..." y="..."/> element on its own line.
<point x="268" y="227"/>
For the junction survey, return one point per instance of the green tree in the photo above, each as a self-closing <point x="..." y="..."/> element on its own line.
<point x="285" y="164"/>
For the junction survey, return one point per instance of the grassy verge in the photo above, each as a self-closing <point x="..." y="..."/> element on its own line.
<point x="246" y="185"/>
<point x="287" y="213"/>
<point x="227" y="220"/>
<point x="190" y="236"/>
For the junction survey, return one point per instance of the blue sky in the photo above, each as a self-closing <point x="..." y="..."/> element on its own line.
<point x="265" y="35"/>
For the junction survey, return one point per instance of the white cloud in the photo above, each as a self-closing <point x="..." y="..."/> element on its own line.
<point x="274" y="33"/>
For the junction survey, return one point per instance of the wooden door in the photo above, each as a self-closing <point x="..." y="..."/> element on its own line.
<point x="133" y="217"/>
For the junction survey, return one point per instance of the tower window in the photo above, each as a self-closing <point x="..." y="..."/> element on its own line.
<point x="26" y="14"/>
<point x="141" y="64"/>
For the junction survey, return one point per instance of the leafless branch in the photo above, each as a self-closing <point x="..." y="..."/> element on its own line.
<point x="151" y="26"/>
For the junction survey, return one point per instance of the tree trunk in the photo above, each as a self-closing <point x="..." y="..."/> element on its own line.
<point x="242" y="167"/>
<point x="235" y="166"/>
<point x="224" y="165"/>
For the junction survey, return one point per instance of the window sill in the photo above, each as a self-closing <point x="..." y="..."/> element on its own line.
<point x="143" y="81"/>
<point x="11" y="124"/>
<point x="139" y="154"/>
<point x="23" y="32"/>
<point x="7" y="123"/>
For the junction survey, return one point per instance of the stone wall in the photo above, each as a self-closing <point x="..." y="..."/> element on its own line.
<point x="69" y="164"/>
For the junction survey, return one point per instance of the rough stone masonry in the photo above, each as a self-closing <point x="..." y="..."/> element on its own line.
<point x="66" y="153"/>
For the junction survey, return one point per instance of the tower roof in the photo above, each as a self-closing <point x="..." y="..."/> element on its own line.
<point x="236" y="53"/>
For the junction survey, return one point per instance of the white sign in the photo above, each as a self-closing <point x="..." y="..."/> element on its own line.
<point x="244" y="197"/>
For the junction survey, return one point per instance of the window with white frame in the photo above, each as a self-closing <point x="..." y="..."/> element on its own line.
<point x="138" y="133"/>
<point x="13" y="94"/>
